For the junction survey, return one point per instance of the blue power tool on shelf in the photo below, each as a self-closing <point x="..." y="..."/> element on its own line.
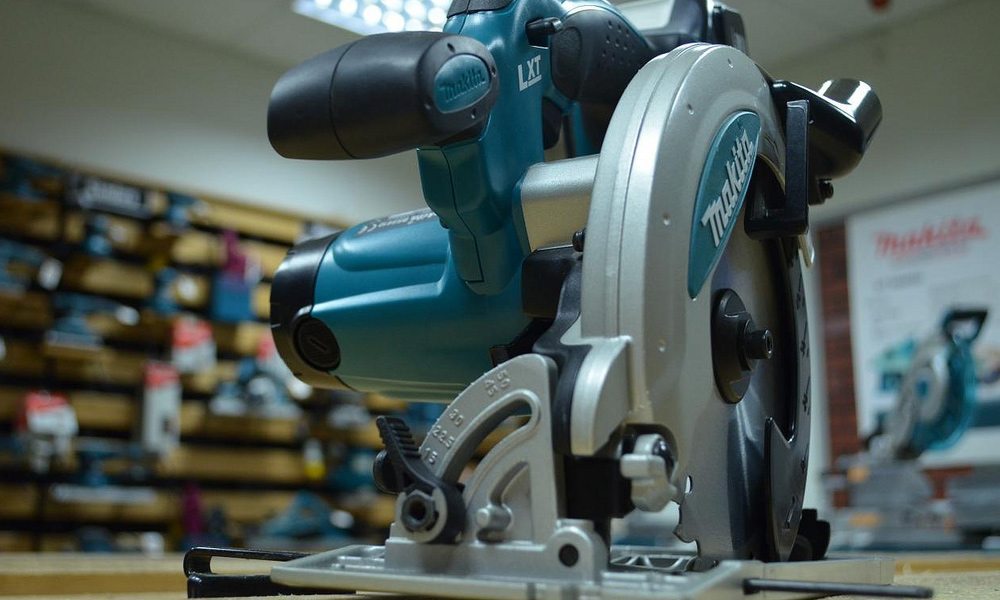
<point x="180" y="208"/>
<point x="70" y="330"/>
<point x="29" y="179"/>
<point x="20" y="264"/>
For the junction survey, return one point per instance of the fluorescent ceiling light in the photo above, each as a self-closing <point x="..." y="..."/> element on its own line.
<point x="377" y="16"/>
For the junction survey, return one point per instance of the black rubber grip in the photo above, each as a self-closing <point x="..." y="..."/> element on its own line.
<point x="594" y="57"/>
<point x="382" y="94"/>
<point x="596" y="54"/>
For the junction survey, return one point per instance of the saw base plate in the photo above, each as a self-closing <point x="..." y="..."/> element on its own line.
<point x="634" y="572"/>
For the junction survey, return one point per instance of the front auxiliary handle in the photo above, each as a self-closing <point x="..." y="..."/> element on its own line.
<point x="381" y="95"/>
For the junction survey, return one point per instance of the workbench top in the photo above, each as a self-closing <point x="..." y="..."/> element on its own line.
<point x="965" y="576"/>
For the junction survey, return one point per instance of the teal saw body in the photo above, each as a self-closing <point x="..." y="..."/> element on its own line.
<point x="420" y="304"/>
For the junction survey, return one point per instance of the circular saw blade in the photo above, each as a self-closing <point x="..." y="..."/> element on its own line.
<point x="726" y="508"/>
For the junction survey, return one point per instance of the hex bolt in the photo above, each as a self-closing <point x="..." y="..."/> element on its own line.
<point x="825" y="189"/>
<point x="418" y="514"/>
<point x="758" y="344"/>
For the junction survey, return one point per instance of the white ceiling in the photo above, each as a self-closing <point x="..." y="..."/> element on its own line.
<point x="267" y="30"/>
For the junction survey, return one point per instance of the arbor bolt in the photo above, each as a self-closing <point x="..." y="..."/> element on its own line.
<point x="758" y="344"/>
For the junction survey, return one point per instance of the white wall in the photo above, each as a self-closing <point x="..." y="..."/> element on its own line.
<point x="103" y="93"/>
<point x="938" y="77"/>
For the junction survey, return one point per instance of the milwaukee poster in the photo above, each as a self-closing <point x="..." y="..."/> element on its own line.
<point x="908" y="265"/>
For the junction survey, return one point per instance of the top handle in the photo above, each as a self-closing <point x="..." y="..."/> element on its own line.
<point x="964" y="323"/>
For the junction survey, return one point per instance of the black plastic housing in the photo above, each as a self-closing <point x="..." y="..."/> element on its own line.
<point x="843" y="117"/>
<point x="306" y="345"/>
<point x="380" y="95"/>
<point x="595" y="55"/>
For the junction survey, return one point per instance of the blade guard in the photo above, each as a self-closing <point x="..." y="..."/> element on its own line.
<point x="689" y="94"/>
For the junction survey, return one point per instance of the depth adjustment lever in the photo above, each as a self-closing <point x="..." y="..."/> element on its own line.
<point x="432" y="508"/>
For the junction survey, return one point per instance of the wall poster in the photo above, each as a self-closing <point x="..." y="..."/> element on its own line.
<point x="908" y="265"/>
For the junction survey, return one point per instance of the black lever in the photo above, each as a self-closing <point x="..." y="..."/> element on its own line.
<point x="775" y="213"/>
<point x="382" y="94"/>
<point x="202" y="582"/>
<point x="399" y="469"/>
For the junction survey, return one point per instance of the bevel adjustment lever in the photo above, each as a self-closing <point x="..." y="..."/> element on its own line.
<point x="428" y="500"/>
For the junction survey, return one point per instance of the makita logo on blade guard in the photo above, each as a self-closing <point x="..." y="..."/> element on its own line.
<point x="469" y="80"/>
<point x="722" y="189"/>
<point x="723" y="209"/>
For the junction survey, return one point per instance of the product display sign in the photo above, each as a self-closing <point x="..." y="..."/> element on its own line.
<point x="909" y="265"/>
<point x="94" y="193"/>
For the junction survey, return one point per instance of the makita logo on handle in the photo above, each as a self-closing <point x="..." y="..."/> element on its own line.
<point x="469" y="80"/>
<point x="720" y="212"/>
<point x="947" y="233"/>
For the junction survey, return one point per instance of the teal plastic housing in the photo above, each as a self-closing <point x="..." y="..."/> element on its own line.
<point x="405" y="321"/>
<point x="471" y="186"/>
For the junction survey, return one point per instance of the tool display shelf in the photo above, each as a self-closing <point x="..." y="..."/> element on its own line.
<point x="243" y="507"/>
<point x="105" y="366"/>
<point x="249" y="466"/>
<point x="38" y="221"/>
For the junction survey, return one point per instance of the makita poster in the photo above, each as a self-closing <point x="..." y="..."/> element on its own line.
<point x="908" y="265"/>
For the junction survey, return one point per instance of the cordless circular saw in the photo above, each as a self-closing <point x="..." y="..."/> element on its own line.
<point x="638" y="303"/>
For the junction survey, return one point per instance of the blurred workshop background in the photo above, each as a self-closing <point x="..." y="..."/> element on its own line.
<point x="143" y="214"/>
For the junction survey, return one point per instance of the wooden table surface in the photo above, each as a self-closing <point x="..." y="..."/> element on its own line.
<point x="116" y="577"/>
